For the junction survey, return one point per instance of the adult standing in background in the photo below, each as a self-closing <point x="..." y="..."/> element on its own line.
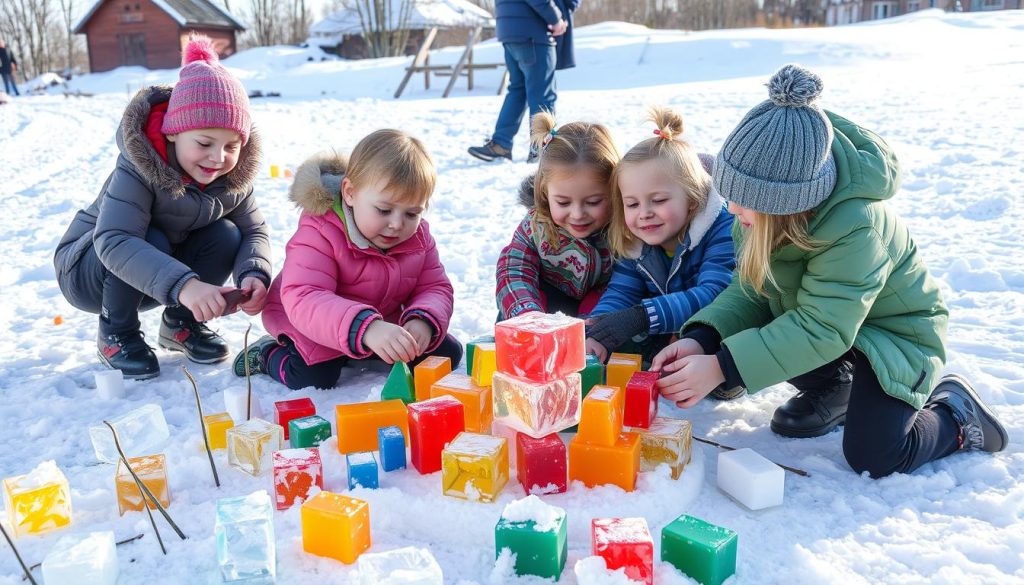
<point x="529" y="31"/>
<point x="8" y="65"/>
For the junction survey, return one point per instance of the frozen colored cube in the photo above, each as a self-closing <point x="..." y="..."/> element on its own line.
<point x="308" y="431"/>
<point x="38" y="501"/>
<point x="641" y="399"/>
<point x="620" y="368"/>
<point x="217" y="426"/>
<point x="391" y="446"/>
<point x="667" y="440"/>
<point x="596" y="465"/>
<point x="429" y="371"/>
<point x="362" y="471"/>
<point x="152" y="470"/>
<point x="536" y="533"/>
<point x="471" y="351"/>
<point x="236" y="402"/>
<point x="244" y="532"/>
<point x="624" y="543"/>
<point x="601" y="421"/>
<point x="402" y="566"/>
<point x="399" y="384"/>
<point x="500" y="429"/>
<point x="474" y="467"/>
<point x="432" y="425"/>
<point x="82" y="558"/>
<point x="751" y="479"/>
<point x="484" y="363"/>
<point x="140" y="431"/>
<point x="251" y="445"/>
<point x="110" y="384"/>
<point x="357" y="424"/>
<point x="537" y="408"/>
<point x="540" y="347"/>
<point x="286" y="411"/>
<point x="700" y="550"/>
<point x="296" y="472"/>
<point x="335" y="526"/>
<point x="541" y="464"/>
<point x="476" y="400"/>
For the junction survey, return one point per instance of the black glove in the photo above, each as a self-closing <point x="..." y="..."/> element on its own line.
<point x="613" y="329"/>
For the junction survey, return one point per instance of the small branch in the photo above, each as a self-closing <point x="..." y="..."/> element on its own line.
<point x="202" y="425"/>
<point x="139" y="486"/>
<point x="28" y="571"/>
<point x="248" y="374"/>
<point x="728" y="448"/>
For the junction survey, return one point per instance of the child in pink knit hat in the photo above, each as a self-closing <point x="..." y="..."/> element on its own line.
<point x="173" y="221"/>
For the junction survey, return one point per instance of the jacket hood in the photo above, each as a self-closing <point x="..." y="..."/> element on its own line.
<point x="136" y="147"/>
<point x="318" y="182"/>
<point x="525" y="193"/>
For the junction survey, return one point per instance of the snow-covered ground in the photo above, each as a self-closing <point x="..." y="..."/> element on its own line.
<point x="945" y="90"/>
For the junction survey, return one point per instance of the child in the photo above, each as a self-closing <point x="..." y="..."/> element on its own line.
<point x="175" y="218"/>
<point x="670" y="235"/>
<point x="830" y="294"/>
<point x="559" y="259"/>
<point x="361" y="277"/>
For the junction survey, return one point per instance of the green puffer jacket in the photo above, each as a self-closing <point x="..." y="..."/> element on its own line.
<point x="863" y="286"/>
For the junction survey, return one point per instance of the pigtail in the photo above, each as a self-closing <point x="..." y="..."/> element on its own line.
<point x="541" y="126"/>
<point x="669" y="123"/>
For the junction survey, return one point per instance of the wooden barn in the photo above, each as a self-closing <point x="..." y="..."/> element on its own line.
<point x="152" y="33"/>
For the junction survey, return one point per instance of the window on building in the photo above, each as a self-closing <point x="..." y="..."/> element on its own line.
<point x="913" y="6"/>
<point x="993" y="4"/>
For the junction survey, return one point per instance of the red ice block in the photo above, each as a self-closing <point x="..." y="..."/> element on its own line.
<point x="541" y="463"/>
<point x="641" y="400"/>
<point x="296" y="471"/>
<point x="287" y="410"/>
<point x="432" y="425"/>
<point x="624" y="543"/>
<point x="540" y="347"/>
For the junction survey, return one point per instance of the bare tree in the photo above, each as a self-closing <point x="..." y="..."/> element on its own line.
<point x="28" y="23"/>
<point x="385" y="25"/>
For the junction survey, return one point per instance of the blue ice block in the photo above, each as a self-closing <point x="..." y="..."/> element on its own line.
<point x="244" y="530"/>
<point x="391" y="443"/>
<point x="362" y="470"/>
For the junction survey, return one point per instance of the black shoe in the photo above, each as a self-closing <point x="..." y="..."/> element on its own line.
<point x="129" y="353"/>
<point x="979" y="428"/>
<point x="195" y="339"/>
<point x="254" y="356"/>
<point x="490" y="151"/>
<point x="534" y="154"/>
<point x="812" y="413"/>
<point x="720" y="393"/>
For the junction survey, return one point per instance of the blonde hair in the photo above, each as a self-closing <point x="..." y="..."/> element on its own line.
<point x="765" y="236"/>
<point x="576" y="144"/>
<point x="679" y="160"/>
<point x="398" y="159"/>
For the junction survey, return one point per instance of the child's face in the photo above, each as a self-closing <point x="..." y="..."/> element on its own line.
<point x="379" y="215"/>
<point x="656" y="207"/>
<point x="579" y="201"/>
<point x="207" y="153"/>
<point x="744" y="215"/>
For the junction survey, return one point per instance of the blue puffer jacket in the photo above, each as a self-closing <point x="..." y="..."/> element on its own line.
<point x="672" y="290"/>
<point x="526" y="21"/>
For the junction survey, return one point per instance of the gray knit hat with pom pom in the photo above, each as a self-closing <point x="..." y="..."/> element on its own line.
<point x="778" y="160"/>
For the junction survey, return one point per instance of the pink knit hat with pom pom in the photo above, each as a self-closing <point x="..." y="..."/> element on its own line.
<point x="206" y="96"/>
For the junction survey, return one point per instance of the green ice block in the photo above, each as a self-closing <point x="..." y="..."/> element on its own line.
<point x="537" y="553"/>
<point x="399" y="384"/>
<point x="702" y="551"/>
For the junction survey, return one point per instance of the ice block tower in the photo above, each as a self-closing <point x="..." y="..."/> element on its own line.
<point x="537" y="385"/>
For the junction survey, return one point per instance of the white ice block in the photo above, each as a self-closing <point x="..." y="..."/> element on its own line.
<point x="244" y="531"/>
<point x="142" y="431"/>
<point x="751" y="479"/>
<point x="110" y="384"/>
<point x="235" y="403"/>
<point x="402" y="566"/>
<point x="82" y="558"/>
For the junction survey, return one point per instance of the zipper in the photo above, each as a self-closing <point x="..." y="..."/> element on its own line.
<point x="651" y="278"/>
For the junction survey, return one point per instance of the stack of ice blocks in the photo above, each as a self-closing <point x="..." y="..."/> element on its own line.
<point x="601" y="453"/>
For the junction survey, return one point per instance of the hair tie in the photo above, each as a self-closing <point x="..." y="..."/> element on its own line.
<point x="660" y="134"/>
<point x="547" y="139"/>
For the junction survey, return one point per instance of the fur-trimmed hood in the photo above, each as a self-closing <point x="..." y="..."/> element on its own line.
<point x="524" y="195"/>
<point x="318" y="182"/>
<point x="136" y="147"/>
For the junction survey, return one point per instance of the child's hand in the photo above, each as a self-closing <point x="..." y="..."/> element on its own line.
<point x="593" y="347"/>
<point x="667" y="359"/>
<point x="390" y="342"/>
<point x="204" y="300"/>
<point x="258" y="298"/>
<point x="695" y="377"/>
<point x="422" y="332"/>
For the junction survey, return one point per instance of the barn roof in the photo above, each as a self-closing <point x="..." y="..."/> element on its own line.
<point x="185" y="12"/>
<point x="422" y="14"/>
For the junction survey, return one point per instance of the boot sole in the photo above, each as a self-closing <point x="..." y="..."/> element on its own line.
<point x="809" y="433"/>
<point x="486" y="158"/>
<point x="990" y="416"/>
<point x="173" y="345"/>
<point x="136" y="377"/>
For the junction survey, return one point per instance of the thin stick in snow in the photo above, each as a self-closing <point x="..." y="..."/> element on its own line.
<point x="28" y="571"/>
<point x="248" y="374"/>
<point x="728" y="448"/>
<point x="202" y="425"/>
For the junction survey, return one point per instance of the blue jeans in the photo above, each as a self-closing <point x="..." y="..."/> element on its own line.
<point x="531" y="82"/>
<point x="9" y="85"/>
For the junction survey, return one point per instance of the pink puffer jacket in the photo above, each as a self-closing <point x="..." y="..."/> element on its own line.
<point x="335" y="282"/>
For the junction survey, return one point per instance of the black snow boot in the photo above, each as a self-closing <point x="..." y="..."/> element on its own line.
<point x="979" y="428"/>
<point x="128" y="352"/>
<point x="812" y="412"/>
<point x="194" y="339"/>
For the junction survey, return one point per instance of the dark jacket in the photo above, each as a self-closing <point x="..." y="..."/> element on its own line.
<point x="565" y="55"/>
<point x="6" y="59"/>
<point x="526" y="21"/>
<point x="144" y="191"/>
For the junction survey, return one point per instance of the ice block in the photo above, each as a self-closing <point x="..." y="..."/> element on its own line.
<point x="391" y="446"/>
<point x="599" y="464"/>
<point x="624" y="543"/>
<point x="251" y="445"/>
<point x="536" y="533"/>
<point x="235" y="402"/>
<point x="474" y="467"/>
<point x="362" y="471"/>
<point x="702" y="551"/>
<point x="296" y="472"/>
<point x="357" y="424"/>
<point x="540" y="347"/>
<point x="541" y="464"/>
<point x="537" y="408"/>
<point x="751" y="479"/>
<point x="244" y="532"/>
<point x="38" y="501"/>
<point x="402" y="566"/>
<point x="620" y="367"/>
<point x="484" y="363"/>
<point x="429" y="371"/>
<point x="82" y="558"/>
<point x="591" y="375"/>
<point x="286" y="411"/>
<point x="500" y="429"/>
<point x="667" y="440"/>
<point x="152" y="470"/>
<point x="641" y="399"/>
<point x="140" y="431"/>
<point x="433" y="424"/>
<point x="217" y="426"/>
<point x="399" y="384"/>
<point x="476" y="400"/>
<point x="471" y="351"/>
<point x="335" y="526"/>
<point x="601" y="421"/>
<point x="110" y="384"/>
<point x="308" y="431"/>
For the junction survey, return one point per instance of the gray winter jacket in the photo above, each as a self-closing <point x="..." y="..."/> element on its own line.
<point x="144" y="191"/>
